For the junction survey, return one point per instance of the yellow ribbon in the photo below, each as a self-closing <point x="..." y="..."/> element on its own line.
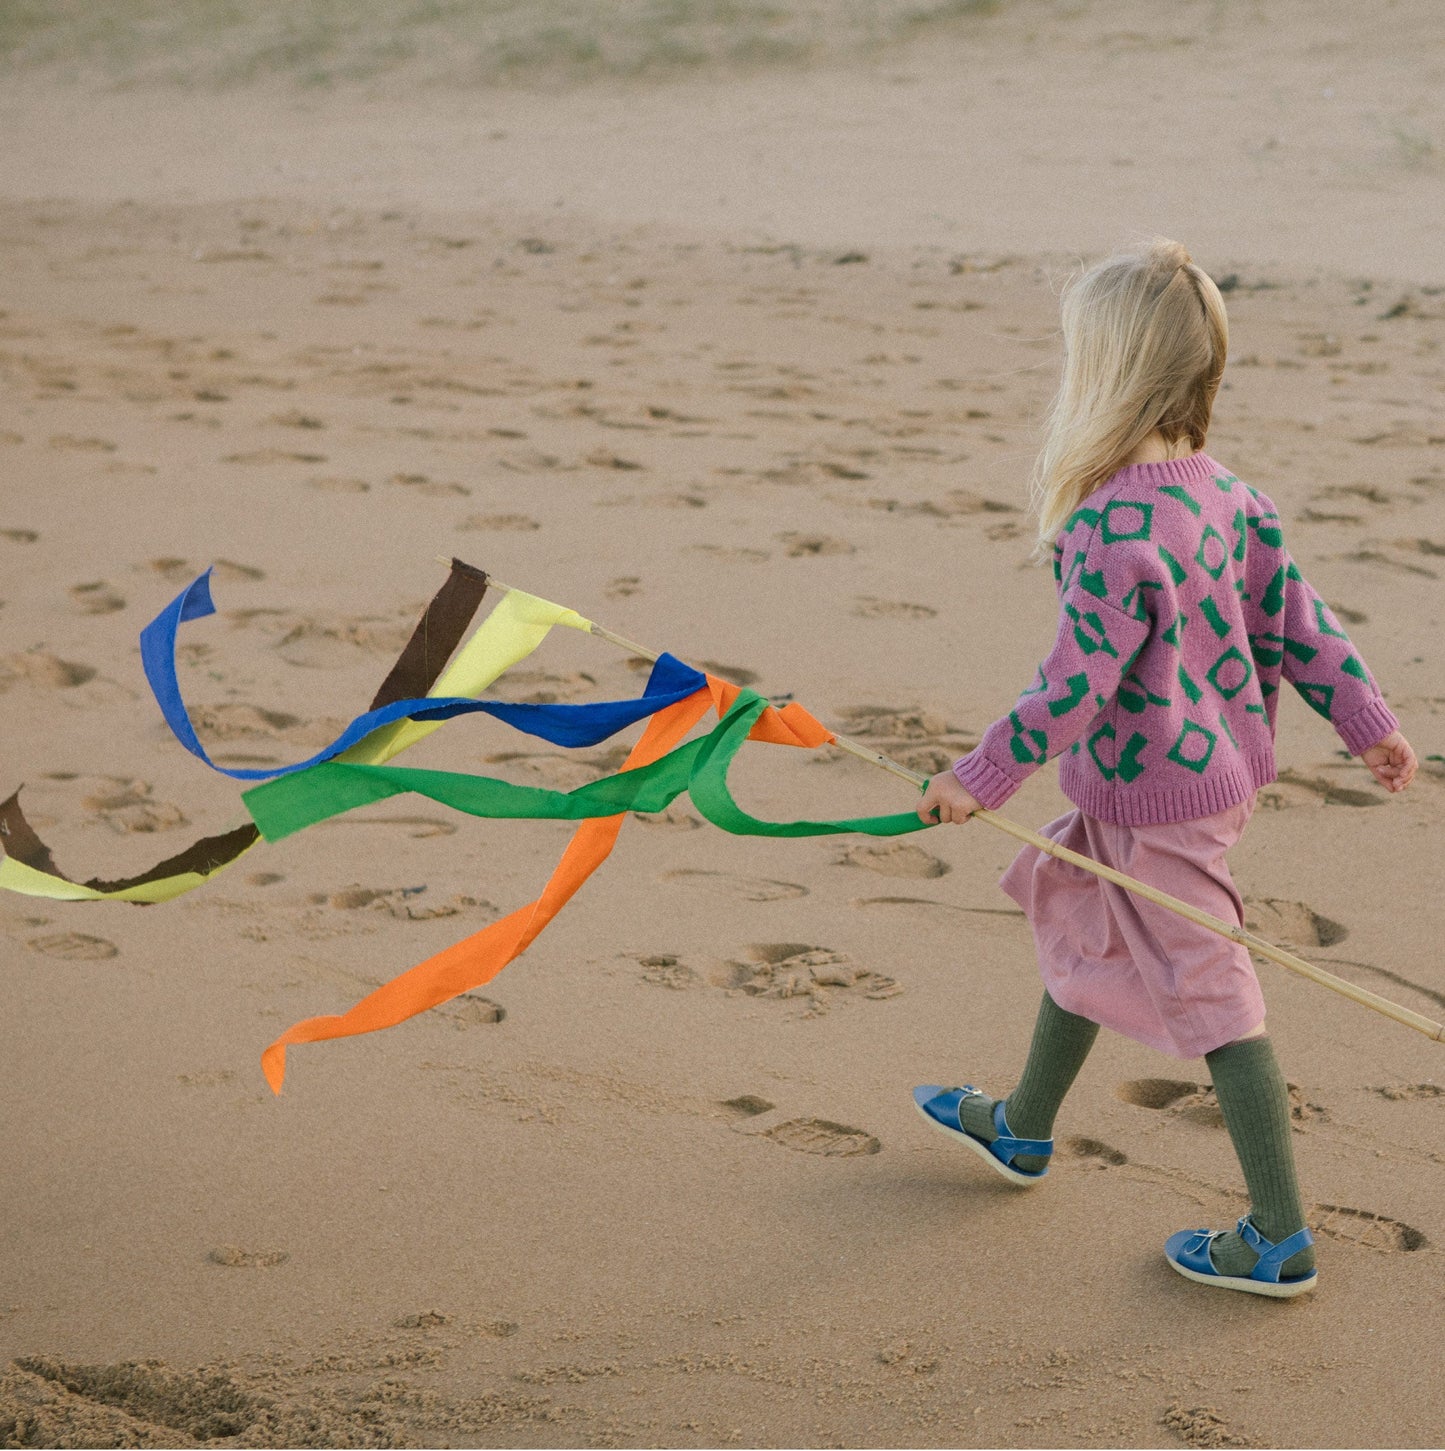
<point x="515" y="627"/>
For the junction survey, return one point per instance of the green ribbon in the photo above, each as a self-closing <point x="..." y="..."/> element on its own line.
<point x="292" y="803"/>
<point x="710" y="794"/>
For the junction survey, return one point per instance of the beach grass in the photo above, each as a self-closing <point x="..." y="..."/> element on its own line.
<point x="222" y="44"/>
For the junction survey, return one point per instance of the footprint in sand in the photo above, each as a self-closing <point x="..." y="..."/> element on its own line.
<point x="675" y="818"/>
<point x="1196" y="1103"/>
<point x="325" y="642"/>
<point x="528" y="461"/>
<point x="1294" y="788"/>
<point x="272" y="456"/>
<point x="623" y="587"/>
<point x="95" y="598"/>
<point x="538" y="687"/>
<point x="868" y="608"/>
<point x="605" y="459"/>
<point x="893" y="859"/>
<point x="472" y="1010"/>
<point x="737" y="674"/>
<point x="741" y="554"/>
<point x="1387" y="561"/>
<point x="210" y="1078"/>
<point x="1406" y="1092"/>
<point x="19" y="536"/>
<point x="332" y="485"/>
<point x="801" y="546"/>
<point x="398" y="902"/>
<point x="127" y="806"/>
<point x="1292" y="922"/>
<point x="1420" y="546"/>
<point x="296" y="419"/>
<point x="668" y="499"/>
<point x="821" y="1136"/>
<point x="784" y="970"/>
<point x="1095" y="1153"/>
<point x="663" y="969"/>
<point x="74" y="947"/>
<point x="1361" y="1227"/>
<point x="957" y="504"/>
<point x="920" y="739"/>
<point x="496" y="523"/>
<point x="729" y="884"/>
<point x="236" y="1258"/>
<point x="430" y="488"/>
<point x="181" y="571"/>
<point x="748" y="1105"/>
<point x="73" y="443"/>
<point x="48" y="672"/>
<point x="894" y="723"/>
<point x="235" y="722"/>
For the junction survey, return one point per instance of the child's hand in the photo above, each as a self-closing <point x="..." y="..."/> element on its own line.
<point x="1392" y="761"/>
<point x="945" y="800"/>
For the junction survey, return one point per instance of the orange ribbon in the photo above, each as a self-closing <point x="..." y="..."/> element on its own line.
<point x="479" y="958"/>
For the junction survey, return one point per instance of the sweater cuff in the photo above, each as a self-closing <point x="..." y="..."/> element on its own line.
<point x="989" y="786"/>
<point x="1367" y="727"/>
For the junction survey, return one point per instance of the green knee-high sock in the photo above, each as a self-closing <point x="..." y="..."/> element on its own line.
<point x="1255" y="1102"/>
<point x="1061" y="1043"/>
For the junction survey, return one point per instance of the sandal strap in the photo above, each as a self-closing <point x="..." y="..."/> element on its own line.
<point x="1272" y="1257"/>
<point x="1006" y="1147"/>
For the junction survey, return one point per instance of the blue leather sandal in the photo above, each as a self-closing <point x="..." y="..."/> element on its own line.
<point x="941" y="1107"/>
<point x="1188" y="1252"/>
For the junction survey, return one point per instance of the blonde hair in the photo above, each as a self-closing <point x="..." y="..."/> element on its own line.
<point x="1145" y="337"/>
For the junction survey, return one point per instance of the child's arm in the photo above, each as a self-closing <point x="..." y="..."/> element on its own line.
<point x="1095" y="647"/>
<point x="1324" y="667"/>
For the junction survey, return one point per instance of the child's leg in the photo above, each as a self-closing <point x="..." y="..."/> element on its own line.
<point x="1255" y="1101"/>
<point x="1061" y="1043"/>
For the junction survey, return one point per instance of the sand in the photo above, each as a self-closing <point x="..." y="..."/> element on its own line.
<point x="749" y="367"/>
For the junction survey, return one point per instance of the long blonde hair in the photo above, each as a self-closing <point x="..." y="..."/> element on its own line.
<point x="1145" y="337"/>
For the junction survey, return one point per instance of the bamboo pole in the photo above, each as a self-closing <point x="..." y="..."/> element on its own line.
<point x="1241" y="935"/>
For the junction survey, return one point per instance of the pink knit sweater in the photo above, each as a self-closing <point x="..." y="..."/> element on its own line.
<point x="1180" y="611"/>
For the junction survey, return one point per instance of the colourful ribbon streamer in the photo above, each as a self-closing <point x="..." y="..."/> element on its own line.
<point x="29" y="866"/>
<point x="479" y="958"/>
<point x="290" y="804"/>
<point x="518" y="624"/>
<point x="659" y="763"/>
<point x="568" y="725"/>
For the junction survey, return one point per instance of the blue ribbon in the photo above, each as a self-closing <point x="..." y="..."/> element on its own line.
<point x="562" y="725"/>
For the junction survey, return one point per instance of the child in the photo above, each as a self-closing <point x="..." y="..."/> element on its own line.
<point x="1180" y="612"/>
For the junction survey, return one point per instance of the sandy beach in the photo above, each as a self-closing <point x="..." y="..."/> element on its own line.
<point x="745" y="362"/>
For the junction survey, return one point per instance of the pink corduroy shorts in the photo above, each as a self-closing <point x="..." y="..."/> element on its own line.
<point x="1126" y="963"/>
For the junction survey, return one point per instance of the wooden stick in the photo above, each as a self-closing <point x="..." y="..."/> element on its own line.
<point x="1241" y="935"/>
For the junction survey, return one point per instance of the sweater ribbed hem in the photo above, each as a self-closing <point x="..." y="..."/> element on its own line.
<point x="1367" y="727"/>
<point x="1220" y="790"/>
<point x="989" y="786"/>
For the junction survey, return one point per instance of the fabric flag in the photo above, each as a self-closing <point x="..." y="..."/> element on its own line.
<point x="479" y="958"/>
<point x="29" y="867"/>
<point x="663" y="769"/>
<point x="524" y="615"/>
<point x="290" y="804"/>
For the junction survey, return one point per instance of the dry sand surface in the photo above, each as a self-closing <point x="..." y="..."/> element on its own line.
<point x="747" y="365"/>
